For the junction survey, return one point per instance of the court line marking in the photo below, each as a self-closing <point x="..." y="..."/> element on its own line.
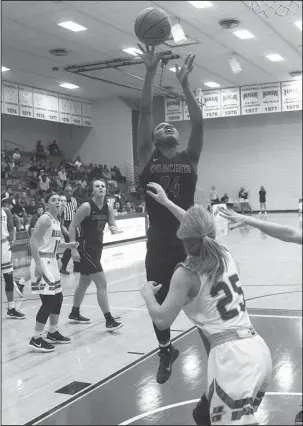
<point x="192" y="401"/>
<point x="275" y="316"/>
<point x="95" y="386"/>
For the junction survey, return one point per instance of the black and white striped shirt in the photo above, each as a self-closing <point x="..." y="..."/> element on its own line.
<point x="70" y="210"/>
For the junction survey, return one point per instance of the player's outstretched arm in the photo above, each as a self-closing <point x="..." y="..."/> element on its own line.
<point x="145" y="125"/>
<point x="160" y="196"/>
<point x="275" y="230"/>
<point x="195" y="143"/>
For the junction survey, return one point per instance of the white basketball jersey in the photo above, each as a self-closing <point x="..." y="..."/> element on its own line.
<point x="5" y="232"/>
<point x="220" y="305"/>
<point x="51" y="239"/>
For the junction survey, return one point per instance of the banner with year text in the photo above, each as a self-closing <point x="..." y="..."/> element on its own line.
<point x="250" y="100"/>
<point x="292" y="95"/>
<point x="173" y="110"/>
<point x="10" y="99"/>
<point x="270" y="95"/>
<point x="26" y="103"/>
<point x="230" y="102"/>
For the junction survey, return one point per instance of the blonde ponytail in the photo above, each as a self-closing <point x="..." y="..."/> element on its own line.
<point x="198" y="232"/>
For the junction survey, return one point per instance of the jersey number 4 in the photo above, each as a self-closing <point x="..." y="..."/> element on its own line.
<point x="221" y="305"/>
<point x="170" y="185"/>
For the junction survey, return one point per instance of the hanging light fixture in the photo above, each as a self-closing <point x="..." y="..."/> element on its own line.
<point x="235" y="64"/>
<point x="178" y="32"/>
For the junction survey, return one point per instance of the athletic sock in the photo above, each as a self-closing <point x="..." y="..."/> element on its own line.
<point x="37" y="334"/>
<point x="166" y="349"/>
<point x="108" y="317"/>
<point x="52" y="329"/>
<point x="11" y="305"/>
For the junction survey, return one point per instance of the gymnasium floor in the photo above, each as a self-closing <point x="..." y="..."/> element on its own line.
<point x="119" y="369"/>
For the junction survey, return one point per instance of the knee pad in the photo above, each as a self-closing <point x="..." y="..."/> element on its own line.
<point x="43" y="314"/>
<point x="9" y="282"/>
<point x="57" y="303"/>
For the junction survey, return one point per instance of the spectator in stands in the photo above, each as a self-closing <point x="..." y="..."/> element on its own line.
<point x="78" y="162"/>
<point x="106" y="173"/>
<point x="262" y="199"/>
<point x="30" y="210"/>
<point x="113" y="173"/>
<point x="225" y="200"/>
<point x="54" y="148"/>
<point x="129" y="208"/>
<point x="214" y="198"/>
<point x="39" y="212"/>
<point x="44" y="184"/>
<point x="17" y="157"/>
<point x="4" y="165"/>
<point x="243" y="196"/>
<point x="42" y="202"/>
<point x="19" y="215"/>
<point x="12" y="199"/>
<point x="83" y="183"/>
<point x="112" y="196"/>
<point x="68" y="215"/>
<point x="62" y="176"/>
<point x="118" y="209"/>
<point x="40" y="152"/>
<point x="8" y="191"/>
<point x="119" y="176"/>
<point x="79" y="194"/>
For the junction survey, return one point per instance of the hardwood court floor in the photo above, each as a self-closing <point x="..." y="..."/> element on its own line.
<point x="271" y="276"/>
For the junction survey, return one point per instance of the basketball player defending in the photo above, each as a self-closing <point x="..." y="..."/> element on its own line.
<point x="7" y="240"/>
<point x="177" y="173"/>
<point x="207" y="287"/>
<point x="92" y="217"/>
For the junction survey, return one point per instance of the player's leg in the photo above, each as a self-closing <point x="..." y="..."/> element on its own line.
<point x="7" y="271"/>
<point x="80" y="291"/>
<point x="53" y="335"/>
<point x="37" y="343"/>
<point x="99" y="279"/>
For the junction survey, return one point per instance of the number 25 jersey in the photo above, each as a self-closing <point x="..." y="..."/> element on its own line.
<point x="220" y="305"/>
<point x="178" y="178"/>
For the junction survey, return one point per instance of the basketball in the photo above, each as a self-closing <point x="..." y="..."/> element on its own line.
<point x="152" y="26"/>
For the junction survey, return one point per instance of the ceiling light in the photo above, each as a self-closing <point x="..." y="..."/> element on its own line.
<point x="299" y="25"/>
<point x="178" y="33"/>
<point x="275" y="57"/>
<point x="201" y="4"/>
<point x="243" y="34"/>
<point x="3" y="69"/>
<point x="212" y="84"/>
<point x="69" y="86"/>
<point x="72" y="26"/>
<point x="172" y="69"/>
<point x="235" y="64"/>
<point x="132" y="51"/>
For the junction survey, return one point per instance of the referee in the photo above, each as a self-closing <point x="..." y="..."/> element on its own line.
<point x="68" y="215"/>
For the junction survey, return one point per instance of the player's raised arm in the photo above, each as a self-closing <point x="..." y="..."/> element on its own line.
<point x="145" y="125"/>
<point x="195" y="143"/>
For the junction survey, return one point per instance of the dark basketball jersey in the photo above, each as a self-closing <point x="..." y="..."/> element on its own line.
<point x="93" y="226"/>
<point x="178" y="178"/>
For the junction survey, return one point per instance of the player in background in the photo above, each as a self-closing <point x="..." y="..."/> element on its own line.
<point x="45" y="275"/>
<point x="207" y="287"/>
<point x="160" y="161"/>
<point x="92" y="218"/>
<point x="7" y="241"/>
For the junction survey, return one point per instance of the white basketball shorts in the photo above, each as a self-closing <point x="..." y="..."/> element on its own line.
<point x="6" y="258"/>
<point x="238" y="374"/>
<point x="50" y="282"/>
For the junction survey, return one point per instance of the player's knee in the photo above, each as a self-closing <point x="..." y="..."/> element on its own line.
<point x="9" y="282"/>
<point x="57" y="303"/>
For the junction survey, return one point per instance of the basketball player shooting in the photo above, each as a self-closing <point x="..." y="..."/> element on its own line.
<point x="161" y="162"/>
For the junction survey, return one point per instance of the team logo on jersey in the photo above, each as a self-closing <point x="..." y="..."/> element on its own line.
<point x="56" y="233"/>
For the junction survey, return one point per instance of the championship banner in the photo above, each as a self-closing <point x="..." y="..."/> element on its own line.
<point x="64" y="109"/>
<point x="87" y="113"/>
<point x="52" y="113"/>
<point x="173" y="110"/>
<point x="40" y="104"/>
<point x="292" y="95"/>
<point x="10" y="99"/>
<point x="270" y="98"/>
<point x="75" y="111"/>
<point x="250" y="100"/>
<point x="230" y="102"/>
<point x="212" y="104"/>
<point x="26" y="103"/>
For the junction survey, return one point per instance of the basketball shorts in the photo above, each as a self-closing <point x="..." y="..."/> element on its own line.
<point x="90" y="260"/>
<point x="238" y="374"/>
<point x="50" y="282"/>
<point x="6" y="257"/>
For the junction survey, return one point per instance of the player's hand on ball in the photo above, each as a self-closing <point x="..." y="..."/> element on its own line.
<point x="114" y="230"/>
<point x="237" y="219"/>
<point x="75" y="255"/>
<point x="158" y="193"/>
<point x="39" y="271"/>
<point x="149" y="57"/>
<point x="150" y="287"/>
<point x="183" y="72"/>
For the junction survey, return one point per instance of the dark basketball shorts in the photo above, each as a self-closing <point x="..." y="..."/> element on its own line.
<point x="90" y="260"/>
